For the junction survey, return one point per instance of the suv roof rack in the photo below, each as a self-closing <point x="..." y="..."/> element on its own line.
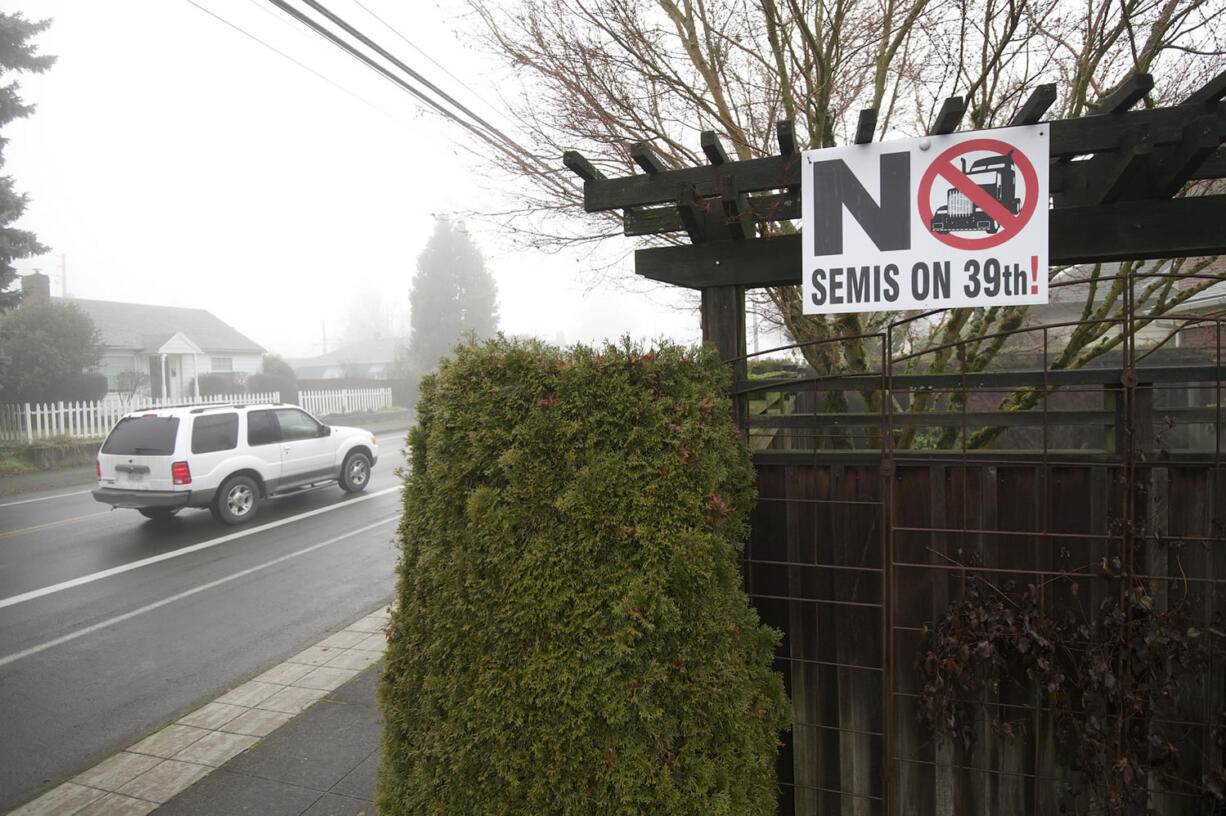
<point x="198" y="408"/>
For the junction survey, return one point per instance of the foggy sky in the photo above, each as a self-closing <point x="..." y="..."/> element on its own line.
<point x="173" y="160"/>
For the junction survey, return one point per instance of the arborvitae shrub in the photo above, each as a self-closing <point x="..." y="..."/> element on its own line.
<point x="570" y="635"/>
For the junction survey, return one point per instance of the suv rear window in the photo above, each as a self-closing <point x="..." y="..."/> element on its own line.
<point x="143" y="436"/>
<point x="217" y="432"/>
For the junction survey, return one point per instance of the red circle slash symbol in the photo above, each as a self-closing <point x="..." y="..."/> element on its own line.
<point x="982" y="198"/>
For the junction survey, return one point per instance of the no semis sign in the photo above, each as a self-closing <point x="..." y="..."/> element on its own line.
<point x="931" y="223"/>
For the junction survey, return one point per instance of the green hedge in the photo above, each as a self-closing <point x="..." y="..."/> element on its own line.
<point x="570" y="635"/>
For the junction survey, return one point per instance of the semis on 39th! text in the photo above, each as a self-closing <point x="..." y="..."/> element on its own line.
<point x="989" y="278"/>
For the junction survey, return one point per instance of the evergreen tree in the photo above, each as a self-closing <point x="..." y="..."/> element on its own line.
<point x="452" y="295"/>
<point x="49" y="344"/>
<point x="17" y="54"/>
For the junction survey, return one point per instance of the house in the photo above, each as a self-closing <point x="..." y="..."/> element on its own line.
<point x="1194" y="323"/>
<point x="365" y="361"/>
<point x="170" y="346"/>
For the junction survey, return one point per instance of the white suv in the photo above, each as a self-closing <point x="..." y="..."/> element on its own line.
<point x="227" y="458"/>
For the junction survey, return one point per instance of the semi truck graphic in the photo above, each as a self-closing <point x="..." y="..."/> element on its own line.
<point x="997" y="176"/>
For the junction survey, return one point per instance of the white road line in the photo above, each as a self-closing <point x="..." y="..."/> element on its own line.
<point x="42" y="647"/>
<point x="203" y="545"/>
<point x="45" y="498"/>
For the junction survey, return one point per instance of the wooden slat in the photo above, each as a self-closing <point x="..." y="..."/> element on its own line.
<point x="1212" y="91"/>
<point x="952" y="110"/>
<point x="712" y="148"/>
<point x="1041" y="98"/>
<point x="581" y="167"/>
<point x="785" y="132"/>
<point x="645" y="158"/>
<point x="866" y="126"/>
<point x="1131" y="92"/>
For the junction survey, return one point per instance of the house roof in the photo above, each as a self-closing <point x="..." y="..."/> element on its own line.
<point x="368" y="358"/>
<point x="142" y="327"/>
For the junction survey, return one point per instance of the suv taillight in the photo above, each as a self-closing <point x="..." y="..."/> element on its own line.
<point x="98" y="467"/>
<point x="180" y="473"/>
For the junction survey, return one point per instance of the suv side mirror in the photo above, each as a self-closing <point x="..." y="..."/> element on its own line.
<point x="325" y="430"/>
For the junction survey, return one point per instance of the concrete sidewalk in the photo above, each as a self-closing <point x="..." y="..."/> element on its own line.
<point x="301" y="739"/>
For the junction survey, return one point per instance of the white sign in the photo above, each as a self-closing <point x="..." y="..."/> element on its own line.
<point x="931" y="223"/>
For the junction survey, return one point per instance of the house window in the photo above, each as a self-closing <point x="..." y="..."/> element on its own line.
<point x="223" y="364"/>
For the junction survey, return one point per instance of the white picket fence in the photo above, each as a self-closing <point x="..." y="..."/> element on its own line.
<point x="93" y="420"/>
<point x="345" y="400"/>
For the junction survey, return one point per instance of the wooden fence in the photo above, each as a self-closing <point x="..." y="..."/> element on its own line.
<point x="1110" y="488"/>
<point x="28" y="422"/>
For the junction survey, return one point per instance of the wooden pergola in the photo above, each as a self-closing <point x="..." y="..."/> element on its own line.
<point x="852" y="551"/>
<point x="1115" y="177"/>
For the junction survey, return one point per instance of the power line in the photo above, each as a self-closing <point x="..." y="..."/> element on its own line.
<point x="431" y="59"/>
<point x="362" y="38"/>
<point x="349" y="49"/>
<point x="300" y="64"/>
<point x="500" y="141"/>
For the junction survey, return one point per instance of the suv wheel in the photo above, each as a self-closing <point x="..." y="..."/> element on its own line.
<point x="237" y="500"/>
<point x="355" y="472"/>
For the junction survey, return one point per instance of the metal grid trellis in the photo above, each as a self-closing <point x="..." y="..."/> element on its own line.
<point x="860" y="545"/>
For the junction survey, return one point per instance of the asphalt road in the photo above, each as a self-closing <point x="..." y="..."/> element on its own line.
<point x="112" y="626"/>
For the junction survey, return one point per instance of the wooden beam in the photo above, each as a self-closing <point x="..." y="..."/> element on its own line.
<point x="712" y="147"/>
<point x="723" y="320"/>
<point x="785" y="131"/>
<point x="1069" y="137"/>
<point x="1041" y="98"/>
<point x="1213" y="167"/>
<point x="949" y="116"/>
<point x="1178" y="227"/>
<point x="1106" y="178"/>
<point x="755" y="262"/>
<point x="1103" y="132"/>
<point x="769" y="173"/>
<point x="737" y="214"/>
<point x="867" y="126"/>
<point x="723" y="325"/>
<point x="1181" y="162"/>
<point x="646" y="159"/>
<point x="1131" y="92"/>
<point x="659" y="220"/>
<point x="580" y="166"/>
<point x="1212" y="91"/>
<point x="692" y="216"/>
<point x="1109" y="232"/>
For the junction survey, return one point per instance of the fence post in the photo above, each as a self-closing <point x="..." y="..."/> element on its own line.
<point x="29" y="425"/>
